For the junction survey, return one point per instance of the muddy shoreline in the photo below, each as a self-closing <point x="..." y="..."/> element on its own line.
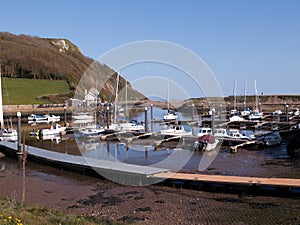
<point x="79" y="194"/>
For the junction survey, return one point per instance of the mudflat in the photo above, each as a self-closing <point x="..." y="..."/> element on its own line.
<point x="80" y="194"/>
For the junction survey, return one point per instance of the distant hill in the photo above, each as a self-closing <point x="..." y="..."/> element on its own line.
<point x="23" y="56"/>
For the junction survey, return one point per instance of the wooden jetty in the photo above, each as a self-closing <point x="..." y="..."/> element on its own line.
<point x="283" y="182"/>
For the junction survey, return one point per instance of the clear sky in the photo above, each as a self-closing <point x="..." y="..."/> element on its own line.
<point x="238" y="39"/>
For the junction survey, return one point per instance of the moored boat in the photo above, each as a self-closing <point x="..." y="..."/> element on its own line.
<point x="43" y="118"/>
<point x="55" y="129"/>
<point x="272" y="139"/>
<point x="206" y="142"/>
<point x="175" y="130"/>
<point x="170" y="116"/>
<point x="90" y="132"/>
<point x="204" y="131"/>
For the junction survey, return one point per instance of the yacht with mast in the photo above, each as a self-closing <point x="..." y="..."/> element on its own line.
<point x="127" y="125"/>
<point x="171" y="115"/>
<point x="6" y="134"/>
<point x="256" y="114"/>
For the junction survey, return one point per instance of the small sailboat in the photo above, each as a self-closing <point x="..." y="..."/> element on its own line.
<point x="256" y="114"/>
<point x="6" y="134"/>
<point x="246" y="111"/>
<point x="171" y="115"/>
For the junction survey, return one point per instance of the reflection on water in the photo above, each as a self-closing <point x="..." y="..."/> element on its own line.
<point x="245" y="162"/>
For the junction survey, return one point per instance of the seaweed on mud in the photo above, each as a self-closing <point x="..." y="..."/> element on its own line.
<point x="100" y="199"/>
<point x="258" y="205"/>
<point x="227" y="199"/>
<point x="145" y="209"/>
<point x="131" y="219"/>
<point x="130" y="193"/>
<point x="160" y="201"/>
<point x="139" y="197"/>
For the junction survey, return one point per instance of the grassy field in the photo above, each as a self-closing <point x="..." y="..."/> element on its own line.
<point x="26" y="91"/>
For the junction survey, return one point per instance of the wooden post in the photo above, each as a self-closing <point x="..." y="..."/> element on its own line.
<point x="146" y="119"/>
<point x="146" y="151"/>
<point x="24" y="172"/>
<point x="213" y="120"/>
<point x="151" y="115"/>
<point x="65" y="115"/>
<point x="287" y="112"/>
<point x="193" y="113"/>
<point x="20" y="153"/>
<point x="107" y="115"/>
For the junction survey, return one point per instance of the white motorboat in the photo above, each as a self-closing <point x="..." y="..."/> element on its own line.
<point x="43" y="118"/>
<point x="131" y="126"/>
<point x="204" y="131"/>
<point x="175" y="130"/>
<point x="277" y="112"/>
<point x="34" y="117"/>
<point x="236" y="118"/>
<point x="256" y="115"/>
<point x="83" y="117"/>
<point x="234" y="133"/>
<point x="90" y="132"/>
<point x="127" y="126"/>
<point x="8" y="134"/>
<point x="294" y="112"/>
<point x="221" y="133"/>
<point x="55" y="129"/>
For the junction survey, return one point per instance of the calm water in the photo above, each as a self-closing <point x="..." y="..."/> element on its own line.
<point x="249" y="162"/>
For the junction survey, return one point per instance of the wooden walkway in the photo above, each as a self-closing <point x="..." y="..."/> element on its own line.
<point x="284" y="182"/>
<point x="147" y="172"/>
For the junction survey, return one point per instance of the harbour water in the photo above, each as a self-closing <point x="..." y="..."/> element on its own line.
<point x="264" y="161"/>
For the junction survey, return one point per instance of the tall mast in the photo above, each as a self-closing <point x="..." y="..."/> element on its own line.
<point x="1" y="106"/>
<point x="126" y="99"/>
<point x="168" y="96"/>
<point x="234" y="94"/>
<point x="116" y="100"/>
<point x="256" y="96"/>
<point x="245" y="94"/>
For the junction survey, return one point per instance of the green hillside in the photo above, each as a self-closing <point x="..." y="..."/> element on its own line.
<point x="27" y="91"/>
<point x="34" y="58"/>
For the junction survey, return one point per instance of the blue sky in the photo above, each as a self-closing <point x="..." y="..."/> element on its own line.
<point x="238" y="39"/>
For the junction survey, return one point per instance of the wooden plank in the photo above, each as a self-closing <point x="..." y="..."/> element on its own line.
<point x="289" y="182"/>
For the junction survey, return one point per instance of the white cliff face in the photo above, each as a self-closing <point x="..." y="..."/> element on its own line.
<point x="63" y="46"/>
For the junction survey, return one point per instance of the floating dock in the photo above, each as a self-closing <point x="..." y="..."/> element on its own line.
<point x="130" y="174"/>
<point x="113" y="170"/>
